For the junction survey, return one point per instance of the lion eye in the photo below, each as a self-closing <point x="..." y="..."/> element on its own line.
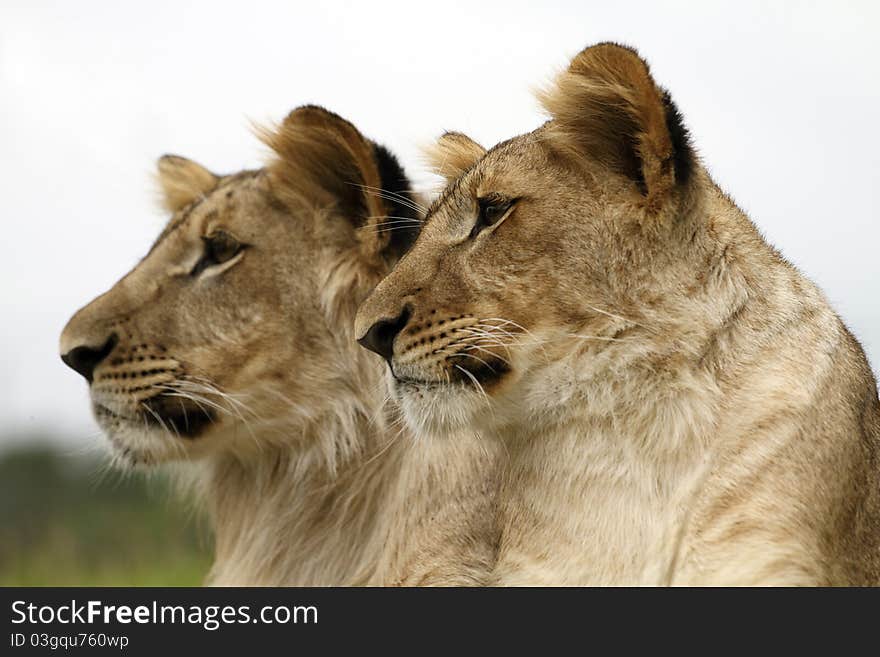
<point x="492" y="209"/>
<point x="220" y="247"/>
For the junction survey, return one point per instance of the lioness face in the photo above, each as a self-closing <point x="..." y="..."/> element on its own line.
<point x="196" y="316"/>
<point x="540" y="245"/>
<point x="464" y="299"/>
<point x="226" y="329"/>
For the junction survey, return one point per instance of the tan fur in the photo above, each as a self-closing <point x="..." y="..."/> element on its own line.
<point x="453" y="154"/>
<point x="182" y="181"/>
<point x="679" y="404"/>
<point x="305" y="471"/>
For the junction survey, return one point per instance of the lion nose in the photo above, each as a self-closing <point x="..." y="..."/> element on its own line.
<point x="85" y="359"/>
<point x="380" y="336"/>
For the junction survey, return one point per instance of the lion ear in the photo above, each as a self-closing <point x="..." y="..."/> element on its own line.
<point x="453" y="154"/>
<point x="183" y="181"/>
<point x="325" y="160"/>
<point x="607" y="107"/>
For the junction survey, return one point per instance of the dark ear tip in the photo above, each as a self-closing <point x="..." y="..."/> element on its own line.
<point x="683" y="155"/>
<point x="646" y="108"/>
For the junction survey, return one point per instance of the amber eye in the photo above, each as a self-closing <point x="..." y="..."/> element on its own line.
<point x="220" y="247"/>
<point x="491" y="210"/>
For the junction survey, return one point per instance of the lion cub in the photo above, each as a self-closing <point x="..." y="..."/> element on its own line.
<point x="230" y="345"/>
<point x="680" y="405"/>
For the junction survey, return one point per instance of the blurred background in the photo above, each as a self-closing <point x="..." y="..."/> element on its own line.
<point x="781" y="99"/>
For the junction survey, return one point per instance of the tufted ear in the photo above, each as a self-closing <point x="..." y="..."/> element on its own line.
<point x="607" y="107"/>
<point x="453" y="154"/>
<point x="183" y="181"/>
<point x="324" y="159"/>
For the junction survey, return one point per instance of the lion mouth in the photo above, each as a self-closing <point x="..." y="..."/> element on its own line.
<point x="178" y="417"/>
<point x="417" y="383"/>
<point x="483" y="374"/>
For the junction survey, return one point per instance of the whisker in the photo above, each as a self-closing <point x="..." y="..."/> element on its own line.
<point x="233" y="400"/>
<point x="193" y="397"/>
<point x="394" y="219"/>
<point x="619" y="317"/>
<point x="463" y="355"/>
<point x="510" y="322"/>
<point x="235" y="409"/>
<point x="476" y="383"/>
<point x="158" y="418"/>
<point x="481" y="337"/>
<point x="389" y="195"/>
<point x="486" y="351"/>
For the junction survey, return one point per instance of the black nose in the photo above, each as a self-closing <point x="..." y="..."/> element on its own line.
<point x="85" y="359"/>
<point x="380" y="337"/>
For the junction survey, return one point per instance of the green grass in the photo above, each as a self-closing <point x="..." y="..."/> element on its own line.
<point x="62" y="524"/>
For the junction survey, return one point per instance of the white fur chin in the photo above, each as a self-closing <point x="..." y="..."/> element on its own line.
<point x="138" y="446"/>
<point x="135" y="445"/>
<point x="437" y="411"/>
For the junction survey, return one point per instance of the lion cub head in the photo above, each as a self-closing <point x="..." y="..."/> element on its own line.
<point x="551" y="239"/>
<point x="234" y="328"/>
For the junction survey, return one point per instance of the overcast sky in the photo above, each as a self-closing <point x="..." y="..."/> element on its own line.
<point x="781" y="99"/>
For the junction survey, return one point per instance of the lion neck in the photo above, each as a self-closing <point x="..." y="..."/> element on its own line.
<point x="278" y="521"/>
<point x="616" y="438"/>
<point x="305" y="510"/>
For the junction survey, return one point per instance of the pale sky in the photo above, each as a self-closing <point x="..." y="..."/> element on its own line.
<point x="781" y="99"/>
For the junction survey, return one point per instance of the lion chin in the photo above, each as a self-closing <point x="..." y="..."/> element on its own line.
<point x="147" y="440"/>
<point x="439" y="409"/>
